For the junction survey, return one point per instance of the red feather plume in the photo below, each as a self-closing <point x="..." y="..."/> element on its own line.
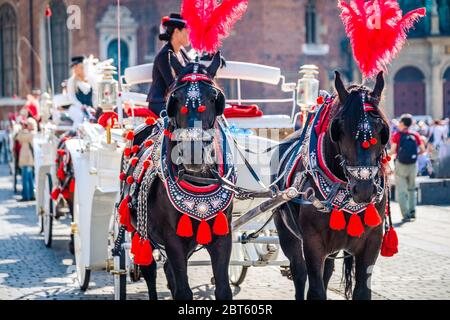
<point x="377" y="30"/>
<point x="209" y="21"/>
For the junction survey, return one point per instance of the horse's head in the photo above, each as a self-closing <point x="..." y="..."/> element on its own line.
<point x="194" y="103"/>
<point x="359" y="130"/>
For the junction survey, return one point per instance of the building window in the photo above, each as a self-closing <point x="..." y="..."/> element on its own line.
<point x="310" y="22"/>
<point x="9" y="75"/>
<point x="153" y="41"/>
<point x="113" y="53"/>
<point x="60" y="44"/>
<point x="444" y="16"/>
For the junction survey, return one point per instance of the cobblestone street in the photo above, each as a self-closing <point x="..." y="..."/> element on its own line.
<point x="29" y="270"/>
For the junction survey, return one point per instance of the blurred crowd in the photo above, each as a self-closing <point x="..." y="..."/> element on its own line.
<point x="435" y="135"/>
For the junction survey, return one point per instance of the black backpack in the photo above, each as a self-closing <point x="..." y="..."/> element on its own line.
<point x="407" y="151"/>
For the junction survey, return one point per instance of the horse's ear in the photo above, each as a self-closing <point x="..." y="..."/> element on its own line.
<point x="340" y="88"/>
<point x="175" y="63"/>
<point x="220" y="104"/>
<point x="335" y="130"/>
<point x="216" y="62"/>
<point x="379" y="86"/>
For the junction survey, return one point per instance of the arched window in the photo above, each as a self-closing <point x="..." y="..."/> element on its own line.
<point x="113" y="53"/>
<point x="60" y="44"/>
<point x="447" y="93"/>
<point x="444" y="16"/>
<point x="9" y="75"/>
<point x="409" y="91"/>
<point x="311" y="22"/>
<point x="423" y="27"/>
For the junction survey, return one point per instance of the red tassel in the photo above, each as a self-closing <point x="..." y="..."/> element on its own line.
<point x="135" y="243"/>
<point x="65" y="193"/>
<point x="389" y="246"/>
<point x="125" y="215"/>
<point x="337" y="220"/>
<point x="204" y="236"/>
<point x="184" y="228"/>
<point x="144" y="255"/>
<point x="220" y="227"/>
<point x="372" y="218"/>
<point x="355" y="227"/>
<point x="72" y="186"/>
<point x="61" y="174"/>
<point x="55" y="194"/>
<point x="127" y="152"/>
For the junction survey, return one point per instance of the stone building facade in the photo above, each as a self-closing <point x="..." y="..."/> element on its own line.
<point x="285" y="34"/>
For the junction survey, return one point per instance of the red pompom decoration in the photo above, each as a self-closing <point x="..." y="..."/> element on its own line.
<point x="337" y="220"/>
<point x="388" y="158"/>
<point x="201" y="109"/>
<point x="48" y="12"/>
<point x="148" y="143"/>
<point x="389" y="247"/>
<point x="122" y="176"/>
<point x="134" y="161"/>
<point x="146" y="164"/>
<point x="220" y="227"/>
<point x="373" y="141"/>
<point x="150" y="121"/>
<point x="55" y="194"/>
<point x="184" y="228"/>
<point x="355" y="227"/>
<point x="130" y="180"/>
<point x="372" y="218"/>
<point x="135" y="149"/>
<point x="144" y="253"/>
<point x="72" y="185"/>
<point x="61" y="152"/>
<point x="365" y="145"/>
<point x="130" y="135"/>
<point x="204" y="235"/>
<point x="320" y="100"/>
<point x="184" y="110"/>
<point x="127" y="152"/>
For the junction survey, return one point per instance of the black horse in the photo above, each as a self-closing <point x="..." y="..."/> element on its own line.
<point x="354" y="138"/>
<point x="193" y="161"/>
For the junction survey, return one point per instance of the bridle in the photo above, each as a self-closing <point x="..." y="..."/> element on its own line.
<point x="193" y="104"/>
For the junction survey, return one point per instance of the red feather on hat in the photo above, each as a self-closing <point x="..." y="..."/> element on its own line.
<point x="377" y="30"/>
<point x="209" y="21"/>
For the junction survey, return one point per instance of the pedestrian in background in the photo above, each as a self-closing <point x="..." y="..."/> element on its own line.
<point x="406" y="147"/>
<point x="26" y="158"/>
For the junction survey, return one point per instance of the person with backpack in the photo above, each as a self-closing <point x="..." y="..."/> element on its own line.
<point x="406" y="146"/>
<point x="26" y="159"/>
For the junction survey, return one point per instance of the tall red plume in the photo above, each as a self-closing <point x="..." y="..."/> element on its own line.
<point x="210" y="22"/>
<point x="377" y="30"/>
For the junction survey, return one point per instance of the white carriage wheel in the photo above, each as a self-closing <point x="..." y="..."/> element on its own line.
<point x="83" y="273"/>
<point x="47" y="217"/>
<point x="237" y="273"/>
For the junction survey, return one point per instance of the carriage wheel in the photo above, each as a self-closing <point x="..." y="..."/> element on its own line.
<point x="237" y="273"/>
<point x="47" y="217"/>
<point x="83" y="273"/>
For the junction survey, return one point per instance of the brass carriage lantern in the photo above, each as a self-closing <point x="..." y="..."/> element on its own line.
<point x="307" y="88"/>
<point x="107" y="94"/>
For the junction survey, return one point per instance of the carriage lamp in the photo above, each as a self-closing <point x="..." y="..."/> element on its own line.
<point x="308" y="87"/>
<point x="107" y="96"/>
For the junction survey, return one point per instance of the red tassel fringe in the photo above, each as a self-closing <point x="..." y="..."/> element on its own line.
<point x="220" y="227"/>
<point x="184" y="228"/>
<point x="389" y="247"/>
<point x="125" y="215"/>
<point x="55" y="194"/>
<point x="72" y="185"/>
<point x="355" y="227"/>
<point x="204" y="235"/>
<point x="372" y="218"/>
<point x="337" y="220"/>
<point x="144" y="253"/>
